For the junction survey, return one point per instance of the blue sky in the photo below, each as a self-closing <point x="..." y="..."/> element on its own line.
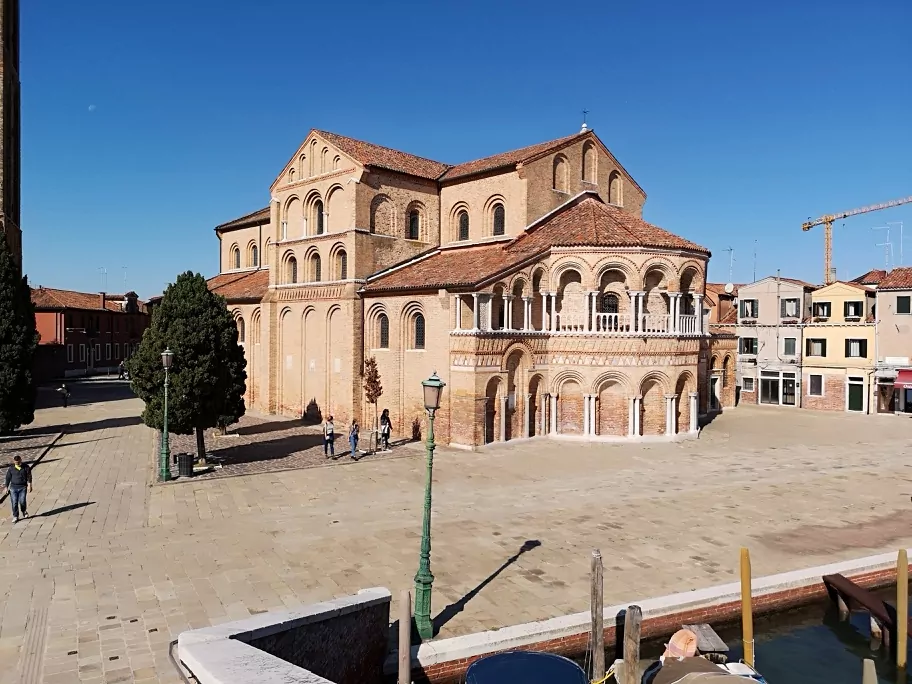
<point x="146" y="124"/>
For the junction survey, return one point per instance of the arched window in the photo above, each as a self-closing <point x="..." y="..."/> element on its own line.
<point x="615" y="190"/>
<point x="266" y="251"/>
<point x="342" y="267"/>
<point x="236" y="258"/>
<point x="315" y="268"/>
<point x="608" y="303"/>
<point x="291" y="176"/>
<point x="419" y="331"/>
<point x="241" y="330"/>
<point x="414" y="225"/>
<point x="318" y="216"/>
<point x="291" y="270"/>
<point x="561" y="174"/>
<point x="499" y="219"/>
<point x="589" y="163"/>
<point x="254" y="256"/>
<point x="384" y="328"/>
<point x="324" y="155"/>
<point x="337" y="162"/>
<point x="463" y="219"/>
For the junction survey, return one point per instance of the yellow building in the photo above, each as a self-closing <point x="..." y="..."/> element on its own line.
<point x="839" y="354"/>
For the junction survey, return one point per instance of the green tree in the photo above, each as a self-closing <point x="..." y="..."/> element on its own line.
<point x="373" y="390"/>
<point x="18" y="344"/>
<point x="207" y="380"/>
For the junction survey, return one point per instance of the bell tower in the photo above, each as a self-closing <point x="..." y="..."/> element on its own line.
<point x="10" y="127"/>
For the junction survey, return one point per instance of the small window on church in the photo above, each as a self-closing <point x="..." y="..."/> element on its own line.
<point x="419" y="331"/>
<point x="463" y="225"/>
<point x="499" y="219"/>
<point x="414" y="224"/>
<point x="318" y="216"/>
<point x="384" y="324"/>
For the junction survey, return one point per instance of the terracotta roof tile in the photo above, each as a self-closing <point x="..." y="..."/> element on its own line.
<point x="719" y="289"/>
<point x="897" y="279"/>
<point x="52" y="298"/>
<point x="872" y="277"/>
<point x="505" y="159"/>
<point x="245" y="286"/>
<point x="370" y="154"/>
<point x="584" y="221"/>
<point x="253" y="219"/>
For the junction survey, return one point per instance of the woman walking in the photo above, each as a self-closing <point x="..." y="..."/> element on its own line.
<point x="353" y="437"/>
<point x="386" y="426"/>
<point x="329" y="436"/>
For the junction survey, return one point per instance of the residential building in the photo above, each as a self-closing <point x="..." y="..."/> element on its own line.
<point x="10" y="128"/>
<point x="721" y="300"/>
<point x="85" y="333"/>
<point x="528" y="280"/>
<point x="769" y="329"/>
<point x="839" y="341"/>
<point x="894" y="342"/>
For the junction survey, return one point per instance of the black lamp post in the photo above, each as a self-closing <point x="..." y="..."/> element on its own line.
<point x="424" y="580"/>
<point x="164" y="465"/>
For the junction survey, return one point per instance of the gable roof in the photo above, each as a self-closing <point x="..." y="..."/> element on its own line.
<point x="510" y="158"/>
<point x="794" y="281"/>
<point x="853" y="285"/>
<point x="52" y="298"/>
<point x="897" y="279"/>
<point x="718" y="289"/>
<point x="584" y="221"/>
<point x="381" y="157"/>
<point x="240" y="287"/>
<point x="252" y="219"/>
<point x="872" y="277"/>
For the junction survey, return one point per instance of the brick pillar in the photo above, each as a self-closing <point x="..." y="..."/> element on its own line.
<point x="694" y="413"/>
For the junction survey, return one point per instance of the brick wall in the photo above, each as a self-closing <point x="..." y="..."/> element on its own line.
<point x="652" y="411"/>
<point x="833" y="398"/>
<point x="570" y="409"/>
<point x="613" y="412"/>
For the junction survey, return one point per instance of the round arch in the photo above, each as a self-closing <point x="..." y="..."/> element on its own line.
<point x="335" y="209"/>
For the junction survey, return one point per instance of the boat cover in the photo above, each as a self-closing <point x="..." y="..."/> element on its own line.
<point x="694" y="671"/>
<point x="527" y="667"/>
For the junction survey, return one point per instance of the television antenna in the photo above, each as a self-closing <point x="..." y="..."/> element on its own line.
<point x="886" y="244"/>
<point x="731" y="261"/>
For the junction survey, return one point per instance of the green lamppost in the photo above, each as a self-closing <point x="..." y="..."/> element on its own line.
<point x="424" y="580"/>
<point x="164" y="459"/>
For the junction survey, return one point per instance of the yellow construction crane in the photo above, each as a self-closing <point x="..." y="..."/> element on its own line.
<point x="827" y="223"/>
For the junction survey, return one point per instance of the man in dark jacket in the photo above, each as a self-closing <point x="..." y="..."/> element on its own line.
<point x="18" y="477"/>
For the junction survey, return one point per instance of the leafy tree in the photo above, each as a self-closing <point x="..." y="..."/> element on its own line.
<point x="18" y="345"/>
<point x="207" y="380"/>
<point x="373" y="390"/>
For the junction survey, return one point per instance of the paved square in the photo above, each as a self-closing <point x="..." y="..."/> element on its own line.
<point x="110" y="570"/>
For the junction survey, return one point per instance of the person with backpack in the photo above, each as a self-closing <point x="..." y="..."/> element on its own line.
<point x="18" y="478"/>
<point x="353" y="433"/>
<point x="386" y="427"/>
<point x="329" y="436"/>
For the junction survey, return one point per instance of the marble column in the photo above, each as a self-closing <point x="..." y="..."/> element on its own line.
<point x="457" y="306"/>
<point x="632" y="417"/>
<point x="672" y="312"/>
<point x="527" y="313"/>
<point x="585" y="414"/>
<point x="544" y="402"/>
<point x="527" y="405"/>
<point x="503" y="418"/>
<point x="594" y="311"/>
<point x="544" y="322"/>
<point x="669" y="415"/>
<point x="698" y="309"/>
<point x="476" y="320"/>
<point x="553" y="414"/>
<point x="633" y="310"/>
<point x="553" y="296"/>
<point x="694" y="413"/>
<point x="488" y="312"/>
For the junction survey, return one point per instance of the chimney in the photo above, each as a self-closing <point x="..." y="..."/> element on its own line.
<point x="101" y="299"/>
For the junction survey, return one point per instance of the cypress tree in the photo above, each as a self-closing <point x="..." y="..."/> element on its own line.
<point x="18" y="345"/>
<point x="207" y="380"/>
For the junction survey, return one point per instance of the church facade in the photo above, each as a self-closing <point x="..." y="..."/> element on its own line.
<point x="527" y="280"/>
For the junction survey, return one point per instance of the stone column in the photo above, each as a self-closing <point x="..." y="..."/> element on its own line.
<point x="476" y="321"/>
<point x="486" y="323"/>
<point x="633" y="310"/>
<point x="553" y="296"/>
<point x="694" y="413"/>
<point x="642" y="298"/>
<point x="526" y="415"/>
<point x="632" y="417"/>
<point x="457" y="306"/>
<point x="593" y="415"/>
<point x="673" y="301"/>
<point x="544" y="402"/>
<point x="527" y="313"/>
<point x="669" y="414"/>
<point x="503" y="418"/>
<point x="508" y="312"/>
<point x="594" y="310"/>
<point x="585" y="414"/>
<point x="698" y="309"/>
<point x="553" y="414"/>
<point x="544" y="324"/>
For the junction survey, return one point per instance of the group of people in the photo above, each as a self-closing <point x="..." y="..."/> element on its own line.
<point x="354" y="433"/>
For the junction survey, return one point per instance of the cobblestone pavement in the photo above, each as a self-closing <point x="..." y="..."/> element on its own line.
<point x="110" y="570"/>
<point x="27" y="443"/>
<point x="268" y="445"/>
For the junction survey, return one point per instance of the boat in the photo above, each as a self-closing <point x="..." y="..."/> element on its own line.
<point x="697" y="670"/>
<point x="528" y="667"/>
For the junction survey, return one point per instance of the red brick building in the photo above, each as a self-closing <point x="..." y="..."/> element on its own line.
<point x="85" y="333"/>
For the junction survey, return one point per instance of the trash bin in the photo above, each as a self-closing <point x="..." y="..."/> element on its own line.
<point x="185" y="465"/>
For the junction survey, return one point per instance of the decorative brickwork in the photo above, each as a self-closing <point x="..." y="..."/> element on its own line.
<point x="833" y="399"/>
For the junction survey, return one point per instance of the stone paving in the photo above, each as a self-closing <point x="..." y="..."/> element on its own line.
<point x="110" y="570"/>
<point x="257" y="445"/>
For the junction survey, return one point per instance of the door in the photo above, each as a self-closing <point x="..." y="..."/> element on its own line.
<point x="714" y="393"/>
<point x="788" y="391"/>
<point x="769" y="391"/>
<point x="856" y="397"/>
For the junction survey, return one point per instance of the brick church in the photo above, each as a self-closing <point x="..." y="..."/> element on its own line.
<point x="527" y="280"/>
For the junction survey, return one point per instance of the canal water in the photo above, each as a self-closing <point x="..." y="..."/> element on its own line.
<point x="808" y="645"/>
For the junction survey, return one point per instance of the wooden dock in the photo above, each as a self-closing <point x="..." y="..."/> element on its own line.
<point x="849" y="596"/>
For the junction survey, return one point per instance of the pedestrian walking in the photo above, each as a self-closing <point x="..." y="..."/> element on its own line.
<point x="353" y="433"/>
<point x="329" y="436"/>
<point x="120" y="371"/>
<point x="386" y="426"/>
<point x="18" y="478"/>
<point x="65" y="393"/>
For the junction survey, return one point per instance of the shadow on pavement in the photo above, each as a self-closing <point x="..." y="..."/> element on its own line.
<point x="63" y="509"/>
<point x="84" y="392"/>
<point x="89" y="426"/>
<point x="269" y="450"/>
<point x="271" y="426"/>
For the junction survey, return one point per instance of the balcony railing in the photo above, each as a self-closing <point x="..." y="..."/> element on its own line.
<point x="612" y="325"/>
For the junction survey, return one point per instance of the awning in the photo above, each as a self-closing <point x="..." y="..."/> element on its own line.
<point x="903" y="378"/>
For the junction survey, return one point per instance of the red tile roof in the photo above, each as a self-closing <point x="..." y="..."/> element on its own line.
<point x="51" y="298"/>
<point x="897" y="279"/>
<point x="239" y="287"/>
<point x="511" y="158"/>
<point x="370" y="154"/>
<point x="584" y="221"/>
<point x="872" y="277"/>
<point x="852" y="283"/>
<point x="718" y="289"/>
<point x="252" y="219"/>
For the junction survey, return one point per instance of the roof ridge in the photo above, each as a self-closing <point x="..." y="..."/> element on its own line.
<point x="382" y="147"/>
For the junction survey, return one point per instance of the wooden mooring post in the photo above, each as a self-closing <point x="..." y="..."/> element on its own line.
<point x="747" y="614"/>
<point x="405" y="637"/>
<point x="902" y="608"/>
<point x="633" y="619"/>
<point x="597" y="608"/>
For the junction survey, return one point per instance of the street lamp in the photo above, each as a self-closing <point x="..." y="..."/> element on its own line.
<point x="424" y="580"/>
<point x="164" y="459"/>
